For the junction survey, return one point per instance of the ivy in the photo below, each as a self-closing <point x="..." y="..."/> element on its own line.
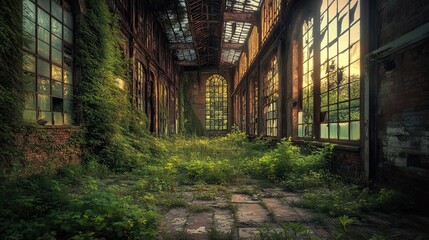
<point x="11" y="79"/>
<point x="115" y="134"/>
<point x="192" y="125"/>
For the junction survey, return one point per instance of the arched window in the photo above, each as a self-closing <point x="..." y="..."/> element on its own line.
<point x="216" y="103"/>
<point x="48" y="61"/>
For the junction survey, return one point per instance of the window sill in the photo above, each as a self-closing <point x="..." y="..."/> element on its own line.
<point x="348" y="145"/>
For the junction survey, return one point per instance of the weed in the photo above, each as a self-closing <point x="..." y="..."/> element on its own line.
<point x="199" y="208"/>
<point x="289" y="231"/>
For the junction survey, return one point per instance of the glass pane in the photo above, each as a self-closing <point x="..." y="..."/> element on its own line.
<point x="57" y="10"/>
<point x="45" y="4"/>
<point x="67" y="77"/>
<point x="29" y="26"/>
<point x="58" y="118"/>
<point x="29" y="10"/>
<point x="68" y="35"/>
<point x="29" y="63"/>
<point x="344" y="130"/>
<point x="68" y="106"/>
<point x="56" y="42"/>
<point x="44" y="86"/>
<point x="333" y="131"/>
<point x="355" y="52"/>
<point x="324" y="130"/>
<point x="354" y="114"/>
<point x="57" y="56"/>
<point x="354" y="90"/>
<point x="354" y="131"/>
<point x="43" y="68"/>
<point x="30" y="44"/>
<point x="57" y="89"/>
<point x="68" y="91"/>
<point x="46" y="116"/>
<point x="68" y="19"/>
<point x="43" y="19"/>
<point x="30" y="101"/>
<point x="43" y="49"/>
<point x="30" y="82"/>
<point x="68" y="120"/>
<point x="44" y="102"/>
<point x="57" y="28"/>
<point x="354" y="33"/>
<point x="29" y="115"/>
<point x="57" y="73"/>
<point x="43" y="34"/>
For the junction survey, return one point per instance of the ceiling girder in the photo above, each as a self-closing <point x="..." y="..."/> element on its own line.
<point x="227" y="45"/>
<point x="240" y="17"/>
<point x="174" y="46"/>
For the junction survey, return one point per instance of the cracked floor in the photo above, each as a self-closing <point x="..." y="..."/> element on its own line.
<point x="241" y="212"/>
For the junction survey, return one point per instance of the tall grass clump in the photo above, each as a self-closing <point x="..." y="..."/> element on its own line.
<point x="288" y="165"/>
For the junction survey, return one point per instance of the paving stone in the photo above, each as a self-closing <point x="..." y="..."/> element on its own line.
<point x="272" y="192"/>
<point x="320" y="231"/>
<point x="223" y="221"/>
<point x="282" y="212"/>
<point x="198" y="225"/>
<point x="291" y="197"/>
<point x="252" y="214"/>
<point x="243" y="198"/>
<point x="174" y="222"/>
<point x="247" y="233"/>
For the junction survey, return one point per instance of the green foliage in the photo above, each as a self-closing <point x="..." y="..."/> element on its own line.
<point x="192" y="125"/>
<point x="115" y="133"/>
<point x="43" y="207"/>
<point x="286" y="162"/>
<point x="11" y="80"/>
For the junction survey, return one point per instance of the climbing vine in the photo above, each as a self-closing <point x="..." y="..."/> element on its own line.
<point x="11" y="79"/>
<point x="192" y="125"/>
<point x="115" y="133"/>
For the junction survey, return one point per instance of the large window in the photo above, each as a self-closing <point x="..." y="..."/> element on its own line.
<point x="305" y="115"/>
<point x="140" y="84"/>
<point x="163" y="107"/>
<point x="48" y="61"/>
<point x="271" y="92"/>
<point x="339" y="39"/>
<point x="270" y="10"/>
<point x="216" y="103"/>
<point x="253" y="105"/>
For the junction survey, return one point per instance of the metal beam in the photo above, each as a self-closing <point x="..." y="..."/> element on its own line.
<point x="174" y="46"/>
<point x="240" y="17"/>
<point x="237" y="46"/>
<point x="187" y="63"/>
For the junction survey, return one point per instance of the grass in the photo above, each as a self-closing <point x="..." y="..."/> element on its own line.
<point x="90" y="201"/>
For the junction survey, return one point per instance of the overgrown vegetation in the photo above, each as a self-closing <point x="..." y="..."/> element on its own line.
<point x="92" y="201"/>
<point x="115" y="133"/>
<point x="11" y="80"/>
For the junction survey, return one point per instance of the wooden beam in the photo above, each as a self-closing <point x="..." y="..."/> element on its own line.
<point x="174" y="46"/>
<point x="237" y="46"/>
<point x="186" y="63"/>
<point x="240" y="17"/>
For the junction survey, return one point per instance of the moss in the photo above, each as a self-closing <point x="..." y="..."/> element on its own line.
<point x="115" y="133"/>
<point x="192" y="125"/>
<point x="11" y="79"/>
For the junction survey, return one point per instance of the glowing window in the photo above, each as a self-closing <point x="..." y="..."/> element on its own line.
<point x="340" y="69"/>
<point x="216" y="103"/>
<point x="271" y="89"/>
<point x="48" y="59"/>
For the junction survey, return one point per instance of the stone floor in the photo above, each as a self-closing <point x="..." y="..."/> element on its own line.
<point x="215" y="212"/>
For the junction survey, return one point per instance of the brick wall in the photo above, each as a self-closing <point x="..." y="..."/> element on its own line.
<point x="403" y="96"/>
<point x="49" y="148"/>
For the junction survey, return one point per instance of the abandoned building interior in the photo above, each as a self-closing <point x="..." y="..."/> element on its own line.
<point x="353" y="73"/>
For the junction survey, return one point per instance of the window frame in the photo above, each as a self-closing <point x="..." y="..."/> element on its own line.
<point x="220" y="96"/>
<point x="317" y="71"/>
